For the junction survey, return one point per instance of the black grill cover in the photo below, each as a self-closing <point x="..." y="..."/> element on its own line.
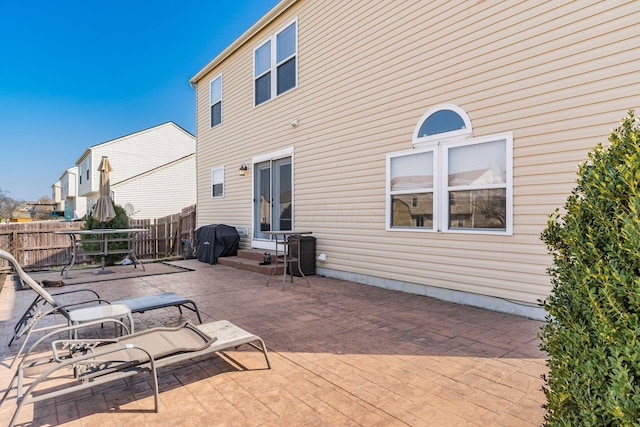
<point x="216" y="240"/>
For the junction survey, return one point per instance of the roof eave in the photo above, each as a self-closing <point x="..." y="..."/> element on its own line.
<point x="275" y="12"/>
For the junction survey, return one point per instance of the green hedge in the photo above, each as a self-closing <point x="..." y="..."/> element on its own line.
<point x="120" y="221"/>
<point x="592" y="332"/>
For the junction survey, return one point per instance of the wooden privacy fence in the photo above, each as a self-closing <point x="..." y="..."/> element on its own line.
<point x="165" y="234"/>
<point x="35" y="245"/>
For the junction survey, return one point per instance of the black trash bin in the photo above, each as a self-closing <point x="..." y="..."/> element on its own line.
<point x="216" y="240"/>
<point x="307" y="259"/>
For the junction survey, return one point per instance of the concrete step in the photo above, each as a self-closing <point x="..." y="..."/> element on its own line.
<point x="255" y="254"/>
<point x="250" y="259"/>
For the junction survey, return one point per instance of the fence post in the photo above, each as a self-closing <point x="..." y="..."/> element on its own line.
<point x="12" y="244"/>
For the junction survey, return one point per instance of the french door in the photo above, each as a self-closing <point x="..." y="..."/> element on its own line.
<point x="272" y="204"/>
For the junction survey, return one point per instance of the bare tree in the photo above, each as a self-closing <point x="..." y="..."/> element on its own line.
<point x="7" y="205"/>
<point x="44" y="207"/>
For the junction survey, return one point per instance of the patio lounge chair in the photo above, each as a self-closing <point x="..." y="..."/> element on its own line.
<point x="87" y="310"/>
<point x="98" y="362"/>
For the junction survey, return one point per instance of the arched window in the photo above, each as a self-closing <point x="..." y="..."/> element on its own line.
<point x="442" y="122"/>
<point x="450" y="181"/>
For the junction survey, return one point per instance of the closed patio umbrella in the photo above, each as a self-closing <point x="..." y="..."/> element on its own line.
<point x="103" y="210"/>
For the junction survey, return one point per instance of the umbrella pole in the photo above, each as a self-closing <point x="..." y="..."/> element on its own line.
<point x="105" y="242"/>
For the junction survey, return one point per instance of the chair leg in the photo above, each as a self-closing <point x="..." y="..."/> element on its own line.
<point x="194" y="309"/>
<point x="22" y="346"/>
<point x="15" y="414"/>
<point x="156" y="393"/>
<point x="263" y="348"/>
<point x="6" y="393"/>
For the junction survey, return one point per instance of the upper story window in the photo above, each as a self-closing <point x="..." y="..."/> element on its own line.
<point x="215" y="100"/>
<point x="217" y="182"/>
<point x="275" y="64"/>
<point x="451" y="182"/>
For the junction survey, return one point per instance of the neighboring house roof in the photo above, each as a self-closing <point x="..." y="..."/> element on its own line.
<point x="134" y="154"/>
<point x="150" y="171"/>
<point x="71" y="170"/>
<point x="139" y="155"/>
<point x="115" y="140"/>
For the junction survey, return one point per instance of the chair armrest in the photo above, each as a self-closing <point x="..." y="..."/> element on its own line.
<point x="96" y="362"/>
<point x="81" y="359"/>
<point x="76" y="291"/>
<point x="67" y="329"/>
<point x="75" y="304"/>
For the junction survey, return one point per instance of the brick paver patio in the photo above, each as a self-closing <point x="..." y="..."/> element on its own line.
<point x="343" y="354"/>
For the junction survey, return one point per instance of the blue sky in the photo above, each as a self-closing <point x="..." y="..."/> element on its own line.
<point x="77" y="73"/>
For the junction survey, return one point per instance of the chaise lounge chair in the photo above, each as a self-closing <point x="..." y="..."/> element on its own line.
<point x="87" y="310"/>
<point x="96" y="362"/>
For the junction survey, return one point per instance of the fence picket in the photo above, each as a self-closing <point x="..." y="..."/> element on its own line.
<point x="35" y="245"/>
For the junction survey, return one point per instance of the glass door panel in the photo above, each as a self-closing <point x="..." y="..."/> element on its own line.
<point x="262" y="202"/>
<point x="273" y="203"/>
<point x="282" y="191"/>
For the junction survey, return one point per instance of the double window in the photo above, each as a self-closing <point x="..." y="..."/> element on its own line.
<point x="450" y="181"/>
<point x="215" y="100"/>
<point x="275" y="64"/>
<point x="217" y="182"/>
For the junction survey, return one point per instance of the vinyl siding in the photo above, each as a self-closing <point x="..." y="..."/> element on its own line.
<point x="161" y="192"/>
<point x="559" y="75"/>
<point x="134" y="154"/>
<point x="153" y="169"/>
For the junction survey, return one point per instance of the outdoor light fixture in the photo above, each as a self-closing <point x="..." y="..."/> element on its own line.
<point x="243" y="169"/>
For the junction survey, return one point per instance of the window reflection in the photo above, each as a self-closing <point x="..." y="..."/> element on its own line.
<point x="478" y="209"/>
<point x="412" y="210"/>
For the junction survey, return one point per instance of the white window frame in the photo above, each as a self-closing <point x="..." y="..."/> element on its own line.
<point x="215" y="182"/>
<point x="213" y="101"/>
<point x="274" y="155"/>
<point x="433" y="190"/>
<point x="445" y="136"/>
<point x="273" y="69"/>
<point x="440" y="144"/>
<point x="508" y="185"/>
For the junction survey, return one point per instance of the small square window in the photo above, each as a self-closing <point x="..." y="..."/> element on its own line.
<point x="217" y="182"/>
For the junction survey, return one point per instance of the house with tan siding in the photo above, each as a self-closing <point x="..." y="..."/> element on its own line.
<point x="424" y="143"/>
